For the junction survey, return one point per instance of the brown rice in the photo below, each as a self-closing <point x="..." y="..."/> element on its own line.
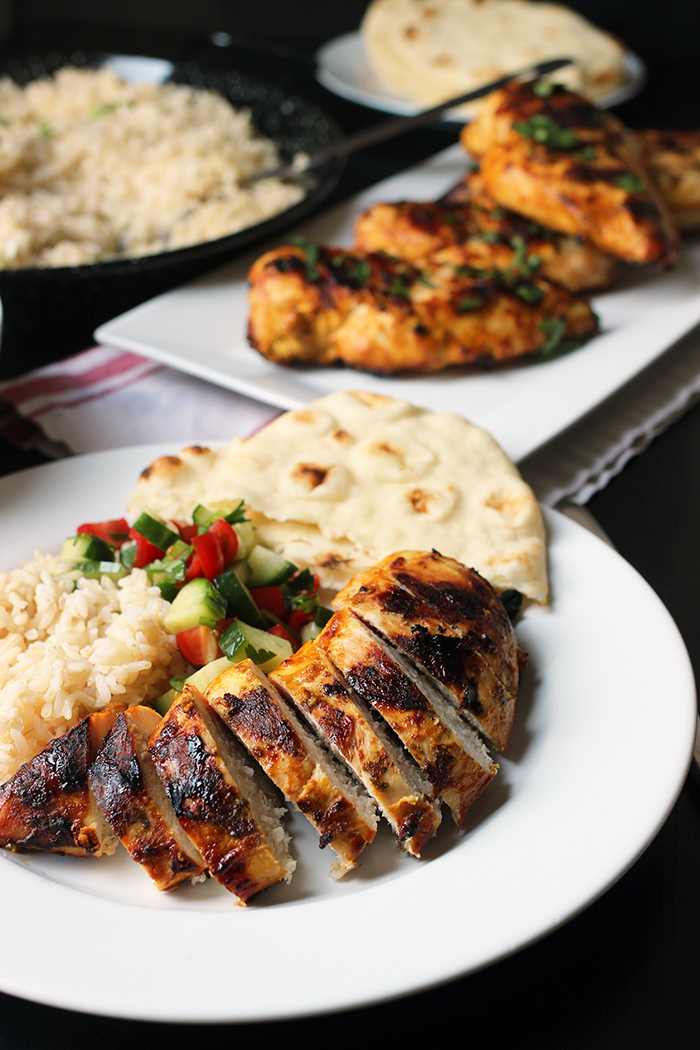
<point x="70" y="645"/>
<point x="93" y="167"/>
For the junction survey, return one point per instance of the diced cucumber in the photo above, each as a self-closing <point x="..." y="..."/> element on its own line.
<point x="199" y="600"/>
<point x="310" y="630"/>
<point x="155" y="531"/>
<point x="245" y="530"/>
<point x="201" y="678"/>
<point x="267" y="568"/>
<point x="87" y="547"/>
<point x="242" y="571"/>
<point x="240" y="641"/>
<point x="93" y="570"/>
<point x="239" y="601"/>
<point x="206" y="516"/>
<point x="163" y="703"/>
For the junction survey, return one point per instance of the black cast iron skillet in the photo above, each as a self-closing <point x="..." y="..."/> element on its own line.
<point x="51" y="312"/>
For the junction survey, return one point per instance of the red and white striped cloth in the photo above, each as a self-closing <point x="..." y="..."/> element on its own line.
<point x="106" y="398"/>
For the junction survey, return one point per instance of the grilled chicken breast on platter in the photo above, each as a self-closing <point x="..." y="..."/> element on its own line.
<point x="49" y="805"/>
<point x="673" y="160"/>
<point x="378" y="313"/>
<point x="553" y="157"/>
<point x="483" y="235"/>
<point x="133" y="799"/>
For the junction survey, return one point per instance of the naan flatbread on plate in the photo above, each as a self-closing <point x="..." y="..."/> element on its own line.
<point x="353" y="477"/>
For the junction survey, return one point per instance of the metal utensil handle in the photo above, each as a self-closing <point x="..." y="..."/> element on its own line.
<point x="391" y="128"/>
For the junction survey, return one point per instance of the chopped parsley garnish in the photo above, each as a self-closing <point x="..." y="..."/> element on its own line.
<point x="555" y="328"/>
<point x="109" y="107"/>
<point x="303" y="581"/>
<point x="488" y="236"/>
<point x="45" y="129"/>
<point x="451" y="217"/>
<point x="258" y="656"/>
<point x="398" y="286"/>
<point x="469" y="304"/>
<point x="360" y="272"/>
<point x="529" y="293"/>
<point x="519" y="246"/>
<point x="544" y="129"/>
<point x="630" y="183"/>
<point x="424" y="279"/>
<point x="177" y="684"/>
<point x="545" y="88"/>
<point x="311" y="253"/>
<point x="587" y="153"/>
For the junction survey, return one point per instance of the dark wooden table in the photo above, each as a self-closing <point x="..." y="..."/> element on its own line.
<point x="626" y="972"/>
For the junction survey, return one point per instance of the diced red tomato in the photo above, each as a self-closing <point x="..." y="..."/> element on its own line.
<point x="115" y="531"/>
<point x="194" y="568"/>
<point x="270" y="598"/>
<point x="297" y="618"/>
<point x="221" y="625"/>
<point x="281" y="632"/>
<point x="199" y="645"/>
<point x="187" y="532"/>
<point x="145" y="552"/>
<point x="228" y="537"/>
<point x="210" y="552"/>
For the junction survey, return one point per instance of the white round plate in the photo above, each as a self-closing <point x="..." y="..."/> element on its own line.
<point x="343" y="68"/>
<point x="602" y="743"/>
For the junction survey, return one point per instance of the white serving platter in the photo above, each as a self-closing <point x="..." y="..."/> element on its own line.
<point x="200" y="328"/>
<point x="589" y="778"/>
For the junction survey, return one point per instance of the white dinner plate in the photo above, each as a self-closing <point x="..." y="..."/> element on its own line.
<point x="592" y="772"/>
<point x="343" y="68"/>
<point x="200" y="328"/>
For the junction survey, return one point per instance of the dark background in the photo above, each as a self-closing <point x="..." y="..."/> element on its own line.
<point x="624" y="975"/>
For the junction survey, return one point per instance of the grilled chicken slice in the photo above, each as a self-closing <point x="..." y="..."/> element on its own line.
<point x="485" y="236"/>
<point x="463" y="598"/>
<point x="48" y="804"/>
<point x="673" y="160"/>
<point x="573" y="262"/>
<point x="380" y="314"/>
<point x="251" y="707"/>
<point x="233" y="823"/>
<point x="552" y="156"/>
<point x="449" y="754"/>
<point x="454" y="662"/>
<point x="133" y="799"/>
<point x="412" y="230"/>
<point x="310" y="682"/>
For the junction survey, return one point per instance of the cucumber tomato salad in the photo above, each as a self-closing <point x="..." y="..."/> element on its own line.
<point x="231" y="598"/>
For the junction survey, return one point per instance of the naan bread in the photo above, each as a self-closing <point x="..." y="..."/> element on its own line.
<point x="432" y="50"/>
<point x="353" y="477"/>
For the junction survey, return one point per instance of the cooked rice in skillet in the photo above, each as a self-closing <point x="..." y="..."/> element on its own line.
<point x="65" y="651"/>
<point x="93" y="168"/>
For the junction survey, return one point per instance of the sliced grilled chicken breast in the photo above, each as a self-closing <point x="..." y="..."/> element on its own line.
<point x="310" y="682"/>
<point x="481" y="237"/>
<point x="234" y="824"/>
<point x="449" y="754"/>
<point x="556" y="158"/>
<point x="251" y="707"/>
<point x="378" y="313"/>
<point x="133" y="799"/>
<point x="48" y="804"/>
<point x="571" y="261"/>
<point x="463" y="598"/>
<point x="454" y="662"/>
